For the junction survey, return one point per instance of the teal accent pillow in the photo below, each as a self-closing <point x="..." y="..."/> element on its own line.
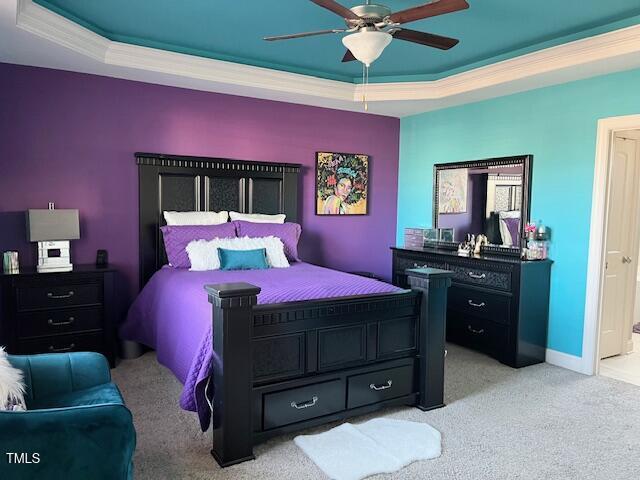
<point x="243" y="259"/>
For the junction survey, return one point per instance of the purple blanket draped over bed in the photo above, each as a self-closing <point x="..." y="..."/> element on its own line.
<point x="172" y="315"/>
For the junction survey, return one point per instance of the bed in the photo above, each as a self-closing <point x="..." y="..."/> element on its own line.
<point x="172" y="315"/>
<point x="278" y="350"/>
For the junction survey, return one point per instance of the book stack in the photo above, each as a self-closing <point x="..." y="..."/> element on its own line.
<point x="10" y="262"/>
<point x="414" y="237"/>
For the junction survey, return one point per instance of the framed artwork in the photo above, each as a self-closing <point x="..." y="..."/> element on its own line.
<point x="341" y="183"/>
<point x="446" y="234"/>
<point x="431" y="235"/>
<point x="452" y="190"/>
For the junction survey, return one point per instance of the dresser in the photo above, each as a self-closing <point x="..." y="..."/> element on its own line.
<point x="498" y="305"/>
<point x="58" y="312"/>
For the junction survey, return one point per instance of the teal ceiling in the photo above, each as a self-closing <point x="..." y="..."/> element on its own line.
<point x="490" y="30"/>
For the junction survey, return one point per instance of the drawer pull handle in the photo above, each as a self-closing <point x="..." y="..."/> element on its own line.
<point x="477" y="305"/>
<point x="58" y="297"/>
<point x="57" y="324"/>
<point x="375" y="387"/>
<point x="307" y="404"/>
<point x="477" y="332"/>
<point x="64" y="349"/>
<point x="476" y="276"/>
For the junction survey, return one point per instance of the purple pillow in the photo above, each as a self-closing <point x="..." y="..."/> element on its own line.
<point x="289" y="233"/>
<point x="177" y="237"/>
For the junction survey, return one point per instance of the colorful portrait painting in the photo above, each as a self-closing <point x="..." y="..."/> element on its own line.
<point x="341" y="183"/>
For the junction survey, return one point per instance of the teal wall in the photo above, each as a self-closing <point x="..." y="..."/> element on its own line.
<point x="558" y="126"/>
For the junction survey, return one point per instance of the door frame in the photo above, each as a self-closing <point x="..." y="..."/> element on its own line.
<point x="607" y="127"/>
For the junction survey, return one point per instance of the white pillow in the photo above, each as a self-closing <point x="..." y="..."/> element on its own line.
<point x="258" y="217"/>
<point x="11" y="385"/>
<point x="509" y="214"/>
<point x="203" y="254"/>
<point x="196" y="218"/>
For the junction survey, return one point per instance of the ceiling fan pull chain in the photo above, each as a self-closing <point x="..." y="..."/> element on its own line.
<point x="365" y="81"/>
<point x="366" y="87"/>
<point x="363" y="91"/>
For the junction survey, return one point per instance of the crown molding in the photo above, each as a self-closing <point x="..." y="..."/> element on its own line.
<point x="603" y="47"/>
<point x="55" y="28"/>
<point x="58" y="29"/>
<point x="219" y="71"/>
<point x="597" y="55"/>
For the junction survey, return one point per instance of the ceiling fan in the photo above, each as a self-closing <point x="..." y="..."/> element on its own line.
<point x="371" y="27"/>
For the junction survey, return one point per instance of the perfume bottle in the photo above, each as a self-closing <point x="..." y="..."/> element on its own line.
<point x="538" y="242"/>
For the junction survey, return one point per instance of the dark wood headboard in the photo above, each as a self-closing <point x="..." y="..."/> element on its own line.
<point x="179" y="183"/>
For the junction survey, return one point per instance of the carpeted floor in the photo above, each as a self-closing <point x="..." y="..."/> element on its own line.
<point x="540" y="422"/>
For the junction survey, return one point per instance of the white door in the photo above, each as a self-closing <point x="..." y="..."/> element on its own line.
<point x="621" y="245"/>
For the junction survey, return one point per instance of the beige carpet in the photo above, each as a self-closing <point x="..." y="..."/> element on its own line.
<point x="540" y="422"/>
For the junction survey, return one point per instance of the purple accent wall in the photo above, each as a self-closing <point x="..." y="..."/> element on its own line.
<point x="69" y="138"/>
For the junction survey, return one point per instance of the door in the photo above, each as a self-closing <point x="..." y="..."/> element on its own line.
<point x="621" y="244"/>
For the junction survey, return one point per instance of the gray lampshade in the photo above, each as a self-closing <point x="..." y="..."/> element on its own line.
<point x="49" y="225"/>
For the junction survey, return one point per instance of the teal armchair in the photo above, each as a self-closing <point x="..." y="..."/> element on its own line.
<point x="76" y="425"/>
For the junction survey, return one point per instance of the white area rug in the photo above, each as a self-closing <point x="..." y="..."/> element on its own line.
<point x="381" y="445"/>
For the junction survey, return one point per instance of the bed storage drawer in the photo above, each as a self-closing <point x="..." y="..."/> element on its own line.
<point x="303" y="403"/>
<point x="378" y="386"/>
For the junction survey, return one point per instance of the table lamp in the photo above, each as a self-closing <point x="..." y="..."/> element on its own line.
<point x="53" y="229"/>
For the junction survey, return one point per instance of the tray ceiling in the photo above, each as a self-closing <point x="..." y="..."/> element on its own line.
<point x="490" y="31"/>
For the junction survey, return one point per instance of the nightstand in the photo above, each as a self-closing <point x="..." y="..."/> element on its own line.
<point x="58" y="312"/>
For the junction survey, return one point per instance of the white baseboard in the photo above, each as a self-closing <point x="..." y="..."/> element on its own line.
<point x="565" y="360"/>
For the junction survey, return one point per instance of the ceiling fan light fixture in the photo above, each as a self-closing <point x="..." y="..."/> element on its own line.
<point x="367" y="45"/>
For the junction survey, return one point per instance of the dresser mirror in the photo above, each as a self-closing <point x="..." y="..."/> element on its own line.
<point x="490" y="197"/>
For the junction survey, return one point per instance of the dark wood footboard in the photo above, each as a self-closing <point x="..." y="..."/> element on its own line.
<point x="284" y="367"/>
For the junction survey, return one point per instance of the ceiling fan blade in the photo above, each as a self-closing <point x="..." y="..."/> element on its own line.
<point x="428" y="39"/>
<point x="348" y="57"/>
<point x="300" y="35"/>
<point x="336" y="8"/>
<point x="428" y="10"/>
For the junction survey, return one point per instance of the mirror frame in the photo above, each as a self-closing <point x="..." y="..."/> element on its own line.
<point x="525" y="209"/>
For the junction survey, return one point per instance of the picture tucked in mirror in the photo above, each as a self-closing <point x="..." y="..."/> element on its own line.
<point x="489" y="197"/>
<point x="453" y="190"/>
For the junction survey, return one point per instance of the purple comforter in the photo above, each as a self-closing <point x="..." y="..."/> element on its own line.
<point x="173" y="316"/>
